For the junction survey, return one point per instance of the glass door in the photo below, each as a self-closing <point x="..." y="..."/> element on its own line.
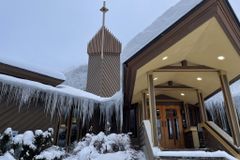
<point x="171" y="127"/>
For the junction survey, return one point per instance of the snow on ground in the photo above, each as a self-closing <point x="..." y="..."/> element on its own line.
<point x="7" y="156"/>
<point x="51" y="153"/>
<point x="35" y="69"/>
<point x="217" y="154"/>
<point x="121" y="155"/>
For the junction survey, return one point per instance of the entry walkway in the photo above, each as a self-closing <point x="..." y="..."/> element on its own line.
<point x="155" y="153"/>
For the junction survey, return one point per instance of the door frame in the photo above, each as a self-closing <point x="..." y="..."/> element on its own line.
<point x="164" y="141"/>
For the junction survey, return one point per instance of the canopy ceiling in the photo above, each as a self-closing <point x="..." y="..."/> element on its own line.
<point x="202" y="46"/>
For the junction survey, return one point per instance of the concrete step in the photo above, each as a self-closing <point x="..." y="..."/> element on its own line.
<point x="189" y="158"/>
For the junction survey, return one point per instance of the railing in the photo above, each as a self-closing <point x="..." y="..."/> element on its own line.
<point x="145" y="139"/>
<point x="222" y="137"/>
<point x="145" y="142"/>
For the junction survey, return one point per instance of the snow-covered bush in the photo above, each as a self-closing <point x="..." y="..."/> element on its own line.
<point x="105" y="143"/>
<point x="52" y="153"/>
<point x="102" y="146"/>
<point x="38" y="145"/>
<point x="29" y="145"/>
<point x="6" y="141"/>
<point x="7" y="156"/>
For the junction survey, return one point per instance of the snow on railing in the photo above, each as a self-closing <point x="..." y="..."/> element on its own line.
<point x="59" y="100"/>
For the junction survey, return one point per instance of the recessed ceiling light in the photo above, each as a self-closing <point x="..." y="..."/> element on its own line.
<point x="199" y="78"/>
<point x="147" y="94"/>
<point x="221" y="58"/>
<point x="182" y="94"/>
<point x="155" y="78"/>
<point x="165" y="58"/>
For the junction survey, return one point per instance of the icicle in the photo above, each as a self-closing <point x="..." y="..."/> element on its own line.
<point x="216" y="108"/>
<point x="58" y="101"/>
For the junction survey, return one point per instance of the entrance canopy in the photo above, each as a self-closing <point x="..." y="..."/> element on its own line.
<point x="188" y="56"/>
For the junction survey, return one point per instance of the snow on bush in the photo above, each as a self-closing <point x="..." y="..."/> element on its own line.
<point x="5" y="141"/>
<point x="105" y="143"/>
<point x="7" y="156"/>
<point x="101" y="146"/>
<point x="29" y="146"/>
<point x="38" y="145"/>
<point x="51" y="153"/>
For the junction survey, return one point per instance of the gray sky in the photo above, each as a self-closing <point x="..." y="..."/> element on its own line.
<point x="54" y="33"/>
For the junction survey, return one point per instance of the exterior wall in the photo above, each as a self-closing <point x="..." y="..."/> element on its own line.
<point x="103" y="74"/>
<point x="31" y="118"/>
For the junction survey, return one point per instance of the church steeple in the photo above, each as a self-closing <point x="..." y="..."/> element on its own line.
<point x="104" y="41"/>
<point x="108" y="44"/>
<point x="104" y="61"/>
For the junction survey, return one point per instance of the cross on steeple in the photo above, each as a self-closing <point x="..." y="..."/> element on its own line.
<point x="104" y="9"/>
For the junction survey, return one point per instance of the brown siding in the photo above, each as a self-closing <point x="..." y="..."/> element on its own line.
<point x="31" y="118"/>
<point x="111" y="43"/>
<point x="103" y="75"/>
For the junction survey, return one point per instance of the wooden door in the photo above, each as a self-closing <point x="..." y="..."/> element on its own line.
<point x="170" y="127"/>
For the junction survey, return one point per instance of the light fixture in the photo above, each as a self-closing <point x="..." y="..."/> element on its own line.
<point x="165" y="58"/>
<point x="155" y="78"/>
<point x="221" y="58"/>
<point x="182" y="94"/>
<point x="199" y="78"/>
<point x="147" y="94"/>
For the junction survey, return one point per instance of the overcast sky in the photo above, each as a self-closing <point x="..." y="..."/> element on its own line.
<point x="54" y="33"/>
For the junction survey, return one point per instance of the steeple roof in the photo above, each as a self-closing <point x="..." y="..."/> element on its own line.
<point x="111" y="43"/>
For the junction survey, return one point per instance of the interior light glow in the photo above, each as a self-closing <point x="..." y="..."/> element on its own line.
<point x="221" y="58"/>
<point x="165" y="58"/>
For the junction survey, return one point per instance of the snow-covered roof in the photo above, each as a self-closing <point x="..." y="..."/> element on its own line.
<point x="58" y="100"/>
<point x="161" y="24"/>
<point x="60" y="89"/>
<point x="77" y="77"/>
<point x="39" y="70"/>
